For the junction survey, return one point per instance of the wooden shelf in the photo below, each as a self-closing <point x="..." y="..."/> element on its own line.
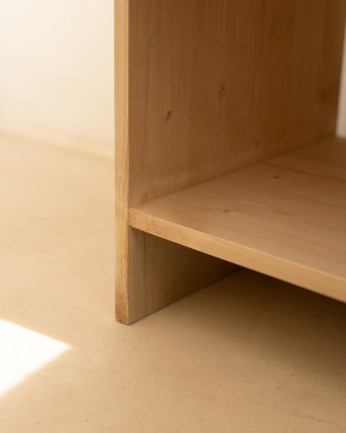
<point x="285" y="217"/>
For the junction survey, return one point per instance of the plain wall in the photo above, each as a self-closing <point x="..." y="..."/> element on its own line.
<point x="56" y="71"/>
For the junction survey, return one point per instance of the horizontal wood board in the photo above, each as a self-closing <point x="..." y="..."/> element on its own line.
<point x="285" y="217"/>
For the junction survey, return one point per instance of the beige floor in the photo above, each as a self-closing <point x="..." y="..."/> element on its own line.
<point x="248" y="354"/>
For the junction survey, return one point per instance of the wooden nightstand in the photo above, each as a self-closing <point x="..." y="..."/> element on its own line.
<point x="226" y="154"/>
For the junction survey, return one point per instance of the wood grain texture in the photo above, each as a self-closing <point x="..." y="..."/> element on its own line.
<point x="321" y="158"/>
<point x="150" y="272"/>
<point x="121" y="74"/>
<point x="203" y="87"/>
<point x="218" y="84"/>
<point x="285" y="222"/>
<point x="161" y="272"/>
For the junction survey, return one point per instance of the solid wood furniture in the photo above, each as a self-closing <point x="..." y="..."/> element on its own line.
<point x="226" y="155"/>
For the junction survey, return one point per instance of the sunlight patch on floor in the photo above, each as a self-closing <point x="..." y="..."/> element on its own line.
<point x="23" y="352"/>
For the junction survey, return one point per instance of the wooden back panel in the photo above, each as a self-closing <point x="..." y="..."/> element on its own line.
<point x="217" y="84"/>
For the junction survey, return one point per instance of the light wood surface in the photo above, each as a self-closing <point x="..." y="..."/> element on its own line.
<point x="161" y="272"/>
<point x="216" y="85"/>
<point x="150" y="272"/>
<point x="121" y="75"/>
<point x="287" y="222"/>
<point x="202" y="88"/>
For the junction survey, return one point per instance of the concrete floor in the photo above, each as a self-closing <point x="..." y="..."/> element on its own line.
<point x="248" y="354"/>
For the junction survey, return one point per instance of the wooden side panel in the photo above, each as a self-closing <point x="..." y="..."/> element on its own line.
<point x="121" y="74"/>
<point x="150" y="272"/>
<point x="218" y="84"/>
<point x="161" y="272"/>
